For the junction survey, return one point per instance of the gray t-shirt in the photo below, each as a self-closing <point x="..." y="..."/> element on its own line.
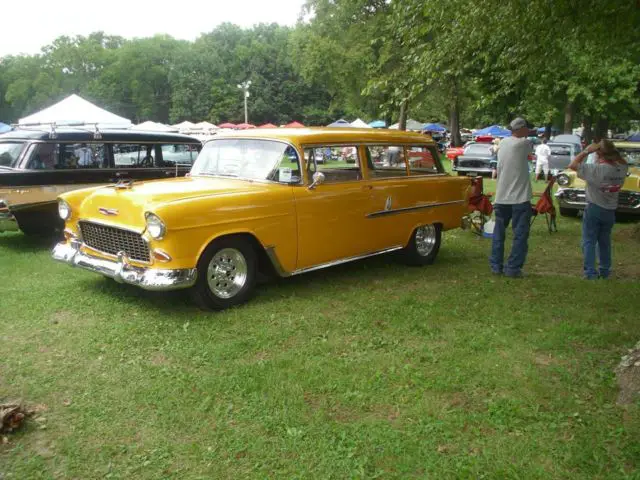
<point x="513" y="185"/>
<point x="604" y="181"/>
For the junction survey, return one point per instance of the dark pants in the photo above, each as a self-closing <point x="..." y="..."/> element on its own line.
<point x="520" y="216"/>
<point x="597" y="223"/>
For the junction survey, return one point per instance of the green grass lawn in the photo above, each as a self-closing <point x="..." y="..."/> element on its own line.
<point x="367" y="370"/>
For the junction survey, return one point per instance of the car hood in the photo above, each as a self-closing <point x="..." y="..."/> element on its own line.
<point x="632" y="183"/>
<point x="127" y="206"/>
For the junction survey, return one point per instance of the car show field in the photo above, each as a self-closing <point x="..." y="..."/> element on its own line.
<point x="368" y="369"/>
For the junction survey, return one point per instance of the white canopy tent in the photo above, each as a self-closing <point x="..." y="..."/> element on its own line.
<point x="206" y="126"/>
<point x="150" y="126"/>
<point x="185" y="126"/>
<point x="75" y="110"/>
<point x="359" y="123"/>
<point x="411" y="125"/>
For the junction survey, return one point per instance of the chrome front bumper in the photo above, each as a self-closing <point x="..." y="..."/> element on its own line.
<point x="122" y="271"/>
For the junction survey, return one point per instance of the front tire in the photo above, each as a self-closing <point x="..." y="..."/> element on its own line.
<point x="424" y="245"/>
<point x="226" y="274"/>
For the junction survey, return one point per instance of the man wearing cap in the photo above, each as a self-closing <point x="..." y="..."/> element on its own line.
<point x="512" y="201"/>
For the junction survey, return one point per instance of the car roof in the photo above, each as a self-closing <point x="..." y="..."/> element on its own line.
<point x="88" y="135"/>
<point x="327" y="135"/>
<point x="627" y="144"/>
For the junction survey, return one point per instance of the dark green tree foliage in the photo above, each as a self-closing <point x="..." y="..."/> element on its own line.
<point x="472" y="62"/>
<point x="168" y="80"/>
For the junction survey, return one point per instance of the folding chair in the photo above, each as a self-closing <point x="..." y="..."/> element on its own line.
<point x="480" y="208"/>
<point x="545" y="206"/>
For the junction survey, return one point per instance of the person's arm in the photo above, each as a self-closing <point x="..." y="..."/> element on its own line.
<point x="582" y="155"/>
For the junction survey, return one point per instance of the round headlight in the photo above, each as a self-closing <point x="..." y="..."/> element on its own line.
<point x="64" y="210"/>
<point x="155" y="226"/>
<point x="563" y="180"/>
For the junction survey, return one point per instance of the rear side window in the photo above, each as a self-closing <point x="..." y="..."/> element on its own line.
<point x="178" y="154"/>
<point x="132" y="155"/>
<point x="54" y="156"/>
<point x="338" y="164"/>
<point x="386" y="161"/>
<point x="423" y="161"/>
<point x="9" y="153"/>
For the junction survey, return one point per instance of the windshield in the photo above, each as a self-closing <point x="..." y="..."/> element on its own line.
<point x="240" y="157"/>
<point x="9" y="153"/>
<point x="631" y="155"/>
<point x="478" y="149"/>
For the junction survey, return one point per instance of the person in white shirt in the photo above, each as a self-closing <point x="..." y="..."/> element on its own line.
<point x="543" y="153"/>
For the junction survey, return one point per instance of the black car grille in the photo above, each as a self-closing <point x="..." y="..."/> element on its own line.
<point x="113" y="240"/>
<point x="473" y="163"/>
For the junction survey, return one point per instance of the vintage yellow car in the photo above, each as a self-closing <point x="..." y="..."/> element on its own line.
<point x="571" y="191"/>
<point x="260" y="201"/>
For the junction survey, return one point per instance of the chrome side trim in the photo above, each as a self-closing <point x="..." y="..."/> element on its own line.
<point x="282" y="273"/>
<point x="122" y="271"/>
<point x="411" y="209"/>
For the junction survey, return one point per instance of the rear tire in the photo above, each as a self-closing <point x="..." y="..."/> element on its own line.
<point x="226" y="274"/>
<point x="569" y="212"/>
<point x="424" y="245"/>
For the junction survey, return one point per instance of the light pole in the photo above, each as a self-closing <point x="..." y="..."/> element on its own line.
<point x="244" y="86"/>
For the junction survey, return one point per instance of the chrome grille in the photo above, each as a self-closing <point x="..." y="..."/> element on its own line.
<point x="628" y="199"/>
<point x="113" y="240"/>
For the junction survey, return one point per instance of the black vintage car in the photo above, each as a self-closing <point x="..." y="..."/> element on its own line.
<point x="39" y="163"/>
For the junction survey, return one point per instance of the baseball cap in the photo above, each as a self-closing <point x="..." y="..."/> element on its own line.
<point x="518" y="123"/>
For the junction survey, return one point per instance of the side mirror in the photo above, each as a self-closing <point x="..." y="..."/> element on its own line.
<point x="318" y="179"/>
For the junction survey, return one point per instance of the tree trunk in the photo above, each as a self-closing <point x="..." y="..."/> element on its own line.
<point x="547" y="131"/>
<point x="602" y="127"/>
<point x="404" y="107"/>
<point x="587" y="131"/>
<point x="568" y="117"/>
<point x="454" y="124"/>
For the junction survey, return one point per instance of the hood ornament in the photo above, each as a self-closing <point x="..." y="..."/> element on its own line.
<point x="124" y="184"/>
<point x="108" y="211"/>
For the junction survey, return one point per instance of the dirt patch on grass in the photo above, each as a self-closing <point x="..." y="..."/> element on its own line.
<point x="63" y="317"/>
<point x="625" y="234"/>
<point x="159" y="359"/>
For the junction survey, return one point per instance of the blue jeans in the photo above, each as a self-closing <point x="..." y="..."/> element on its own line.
<point x="597" y="224"/>
<point x="520" y="216"/>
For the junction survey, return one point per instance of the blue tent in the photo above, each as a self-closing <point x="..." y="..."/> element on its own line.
<point x="378" y="124"/>
<point x="434" y="127"/>
<point x="634" y="137"/>
<point x="494" y="131"/>
<point x="339" y="123"/>
<point x="4" y="127"/>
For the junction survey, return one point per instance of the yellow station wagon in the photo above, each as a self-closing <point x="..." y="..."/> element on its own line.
<point x="284" y="200"/>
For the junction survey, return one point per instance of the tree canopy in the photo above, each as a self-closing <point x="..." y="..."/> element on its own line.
<point x="470" y="62"/>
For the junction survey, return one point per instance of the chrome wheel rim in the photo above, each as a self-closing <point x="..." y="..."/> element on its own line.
<point x="425" y="239"/>
<point x="227" y="273"/>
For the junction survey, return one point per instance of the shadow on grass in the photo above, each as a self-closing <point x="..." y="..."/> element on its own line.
<point x="385" y="269"/>
<point x="19" y="242"/>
